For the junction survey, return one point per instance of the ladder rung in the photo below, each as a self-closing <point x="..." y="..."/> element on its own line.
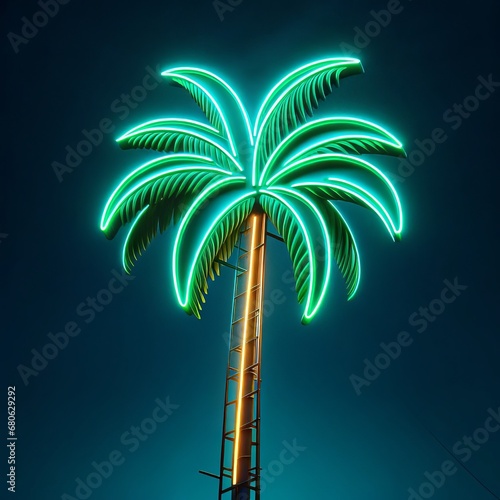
<point x="253" y="287"/>
<point x="227" y="264"/>
<point x="275" y="236"/>
<point x="235" y="322"/>
<point x="253" y="366"/>
<point x="251" y="424"/>
<point x="239" y="295"/>
<point x="247" y="395"/>
<point x="236" y="376"/>
<point x="251" y="393"/>
<point x="251" y="315"/>
<point x="237" y="348"/>
<point x="209" y="474"/>
<point x="252" y="480"/>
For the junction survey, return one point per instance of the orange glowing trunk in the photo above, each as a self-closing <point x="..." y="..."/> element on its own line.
<point x="246" y="343"/>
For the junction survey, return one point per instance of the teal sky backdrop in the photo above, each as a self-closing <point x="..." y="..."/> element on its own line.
<point x="432" y="77"/>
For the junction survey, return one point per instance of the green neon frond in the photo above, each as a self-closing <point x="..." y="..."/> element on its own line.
<point x="340" y="190"/>
<point x="151" y="221"/>
<point x="221" y="89"/>
<point x="207" y="104"/>
<point x="292" y="101"/>
<point x="170" y="176"/>
<point x="207" y="233"/>
<point x="349" y="179"/>
<point x="303" y="228"/>
<point x="297" y="75"/>
<point x="193" y="125"/>
<point x="180" y="136"/>
<point x="338" y="135"/>
<point x="131" y="249"/>
<point x="344" y="248"/>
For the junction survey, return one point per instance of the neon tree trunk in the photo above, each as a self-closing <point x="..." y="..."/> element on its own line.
<point x="246" y="411"/>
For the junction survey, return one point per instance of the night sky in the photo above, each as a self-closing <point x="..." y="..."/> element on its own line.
<point x="432" y="77"/>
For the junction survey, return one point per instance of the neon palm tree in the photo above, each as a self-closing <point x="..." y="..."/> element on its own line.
<point x="222" y="180"/>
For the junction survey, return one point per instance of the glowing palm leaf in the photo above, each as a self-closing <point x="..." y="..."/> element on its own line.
<point x="201" y="239"/>
<point x="344" y="177"/>
<point x="218" y="101"/>
<point x="293" y="100"/>
<point x="339" y="134"/>
<point x="173" y="175"/>
<point x="229" y="102"/>
<point x="207" y="104"/>
<point x="181" y="136"/>
<point x="337" y="189"/>
<point x="304" y="231"/>
<point x="149" y="222"/>
<point x="345" y="250"/>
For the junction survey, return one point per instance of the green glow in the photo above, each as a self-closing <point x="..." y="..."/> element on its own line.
<point x="162" y="122"/>
<point x="106" y="218"/>
<point x="310" y="308"/>
<point x="125" y="245"/>
<point x="299" y="181"/>
<point x="364" y="196"/>
<point x="327" y="125"/>
<point x="234" y="95"/>
<point x="183" y="301"/>
<point x="356" y="250"/>
<point x="215" y="104"/>
<point x="322" y="144"/>
<point x="301" y="167"/>
<point x="187" y="132"/>
<point x="309" y="70"/>
<point x="325" y="63"/>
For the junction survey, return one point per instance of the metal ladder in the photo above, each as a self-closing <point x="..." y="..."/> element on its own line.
<point x="241" y="419"/>
<point x="251" y="424"/>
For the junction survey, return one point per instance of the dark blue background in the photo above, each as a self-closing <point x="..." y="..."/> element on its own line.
<point x="142" y="346"/>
